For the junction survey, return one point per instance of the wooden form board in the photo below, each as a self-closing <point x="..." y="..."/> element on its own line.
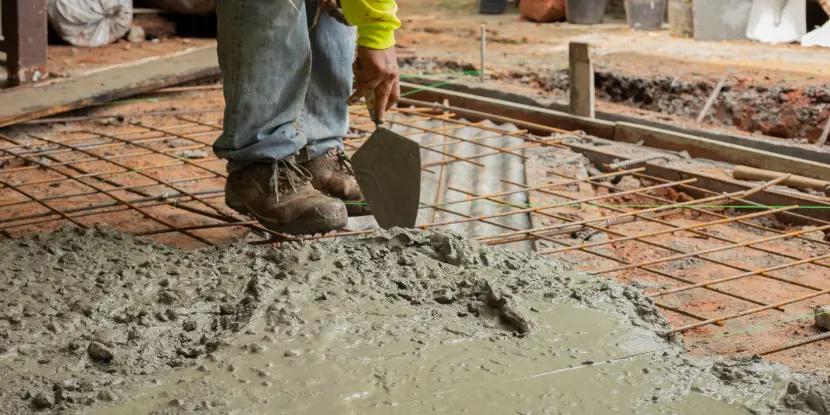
<point x="36" y="101"/>
<point x="563" y="120"/>
<point x="626" y="132"/>
<point x="599" y="155"/>
<point x="717" y="150"/>
<point x="770" y="145"/>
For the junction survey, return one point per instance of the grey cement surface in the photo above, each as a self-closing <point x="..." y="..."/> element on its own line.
<point x="93" y="321"/>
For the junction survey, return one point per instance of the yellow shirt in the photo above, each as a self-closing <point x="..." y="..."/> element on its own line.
<point x="375" y="20"/>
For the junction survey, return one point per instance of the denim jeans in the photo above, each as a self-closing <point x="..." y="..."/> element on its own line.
<point x="286" y="84"/>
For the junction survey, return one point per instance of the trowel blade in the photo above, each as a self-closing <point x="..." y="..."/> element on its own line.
<point x="388" y="170"/>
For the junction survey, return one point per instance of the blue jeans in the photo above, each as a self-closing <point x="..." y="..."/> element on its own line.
<point x="286" y="84"/>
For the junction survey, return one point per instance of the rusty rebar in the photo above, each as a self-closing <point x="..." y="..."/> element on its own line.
<point x="709" y="251"/>
<point x="616" y="259"/>
<point x="792" y="344"/>
<point x="748" y="312"/>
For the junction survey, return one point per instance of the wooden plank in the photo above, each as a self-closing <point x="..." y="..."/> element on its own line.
<point x="717" y="150"/>
<point x="770" y="145"/>
<point x="27" y="103"/>
<point x="581" y="72"/>
<point x="768" y="197"/>
<point x="562" y="120"/>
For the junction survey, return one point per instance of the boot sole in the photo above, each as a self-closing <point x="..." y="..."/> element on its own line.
<point x="358" y="211"/>
<point x="295" y="227"/>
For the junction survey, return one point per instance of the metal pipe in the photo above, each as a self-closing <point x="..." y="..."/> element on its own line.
<point x="483" y="50"/>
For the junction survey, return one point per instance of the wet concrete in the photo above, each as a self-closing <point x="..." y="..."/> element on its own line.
<point x="401" y="322"/>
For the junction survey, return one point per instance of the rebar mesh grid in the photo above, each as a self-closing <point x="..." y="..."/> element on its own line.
<point x="156" y="176"/>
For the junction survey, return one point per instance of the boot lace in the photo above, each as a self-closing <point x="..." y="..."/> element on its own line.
<point x="343" y="160"/>
<point x="288" y="173"/>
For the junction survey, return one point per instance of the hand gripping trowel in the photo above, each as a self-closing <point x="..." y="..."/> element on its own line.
<point x="388" y="170"/>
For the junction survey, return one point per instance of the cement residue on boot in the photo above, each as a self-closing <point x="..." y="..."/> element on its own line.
<point x="400" y="321"/>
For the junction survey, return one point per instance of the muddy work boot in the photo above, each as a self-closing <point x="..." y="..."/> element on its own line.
<point x="332" y="174"/>
<point x="281" y="197"/>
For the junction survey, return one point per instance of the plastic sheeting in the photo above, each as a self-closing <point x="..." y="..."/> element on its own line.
<point x="90" y="23"/>
<point x="777" y="21"/>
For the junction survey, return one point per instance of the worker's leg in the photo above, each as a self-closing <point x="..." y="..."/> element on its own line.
<point x="325" y="118"/>
<point x="265" y="56"/>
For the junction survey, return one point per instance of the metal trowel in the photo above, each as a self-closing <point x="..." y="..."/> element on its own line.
<point x="388" y="170"/>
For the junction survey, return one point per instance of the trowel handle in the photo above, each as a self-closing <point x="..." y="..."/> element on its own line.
<point x="369" y="96"/>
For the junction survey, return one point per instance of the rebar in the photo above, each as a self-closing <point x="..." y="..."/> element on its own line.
<point x="113" y="174"/>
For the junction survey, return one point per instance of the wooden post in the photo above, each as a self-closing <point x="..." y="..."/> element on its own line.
<point x="24" y="40"/>
<point x="581" y="71"/>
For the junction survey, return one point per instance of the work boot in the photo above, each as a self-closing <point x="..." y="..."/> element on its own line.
<point x="281" y="197"/>
<point x="333" y="175"/>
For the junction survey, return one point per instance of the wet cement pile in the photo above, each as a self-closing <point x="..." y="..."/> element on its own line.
<point x="97" y="322"/>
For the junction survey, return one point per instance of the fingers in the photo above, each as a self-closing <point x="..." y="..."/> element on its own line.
<point x="376" y="73"/>
<point x="395" y="95"/>
<point x="355" y="97"/>
<point x="363" y="87"/>
<point x="382" y="95"/>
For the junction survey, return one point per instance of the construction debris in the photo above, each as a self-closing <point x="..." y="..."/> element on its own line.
<point x="136" y="35"/>
<point x="823" y="317"/>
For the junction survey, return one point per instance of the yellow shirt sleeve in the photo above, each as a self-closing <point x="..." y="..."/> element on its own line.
<point x="376" y="21"/>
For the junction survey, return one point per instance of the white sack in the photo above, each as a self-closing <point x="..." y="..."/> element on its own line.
<point x="818" y="37"/>
<point x="90" y="22"/>
<point x="777" y="21"/>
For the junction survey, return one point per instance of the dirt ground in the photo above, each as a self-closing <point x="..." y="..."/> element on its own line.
<point x="780" y="91"/>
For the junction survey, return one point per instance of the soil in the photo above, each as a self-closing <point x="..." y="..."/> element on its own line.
<point x="776" y="90"/>
<point x="67" y="60"/>
<point x="95" y="321"/>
